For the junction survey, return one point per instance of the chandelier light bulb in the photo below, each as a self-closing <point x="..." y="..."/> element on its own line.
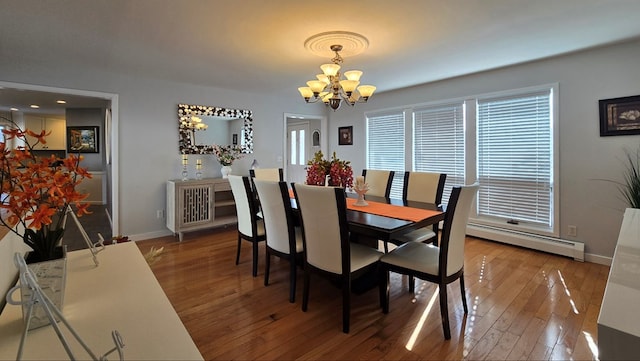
<point x="323" y="78"/>
<point x="366" y="91"/>
<point x="316" y="86"/>
<point x="353" y="75"/>
<point x="330" y="69"/>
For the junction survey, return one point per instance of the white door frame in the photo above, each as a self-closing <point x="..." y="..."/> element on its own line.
<point x="115" y="217"/>
<point x="324" y="140"/>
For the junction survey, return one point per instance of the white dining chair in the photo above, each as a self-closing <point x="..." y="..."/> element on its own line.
<point x="273" y="174"/>
<point x="422" y="187"/>
<point x="327" y="249"/>
<point x="283" y="238"/>
<point x="250" y="227"/>
<point x="379" y="182"/>
<point x="441" y="265"/>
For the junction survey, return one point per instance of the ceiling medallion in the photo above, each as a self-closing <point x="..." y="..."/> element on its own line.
<point x="352" y="43"/>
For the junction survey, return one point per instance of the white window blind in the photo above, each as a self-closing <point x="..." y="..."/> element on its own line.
<point x="385" y="146"/>
<point x="514" y="150"/>
<point x="439" y="143"/>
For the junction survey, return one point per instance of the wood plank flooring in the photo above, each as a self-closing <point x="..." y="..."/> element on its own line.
<point x="523" y="304"/>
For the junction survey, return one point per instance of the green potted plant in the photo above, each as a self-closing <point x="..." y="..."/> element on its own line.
<point x="630" y="187"/>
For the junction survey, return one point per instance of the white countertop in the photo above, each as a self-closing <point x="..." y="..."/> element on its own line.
<point x="120" y="294"/>
<point x="621" y="299"/>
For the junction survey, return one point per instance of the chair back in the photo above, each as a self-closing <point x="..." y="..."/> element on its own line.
<point x="379" y="181"/>
<point x="245" y="204"/>
<point x="325" y="233"/>
<point x="423" y="187"/>
<point x="272" y="174"/>
<point x="277" y="215"/>
<point x="455" y="228"/>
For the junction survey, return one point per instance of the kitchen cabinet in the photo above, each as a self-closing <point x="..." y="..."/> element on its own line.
<point x="57" y="126"/>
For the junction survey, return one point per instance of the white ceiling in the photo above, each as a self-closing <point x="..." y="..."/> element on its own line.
<point x="258" y="45"/>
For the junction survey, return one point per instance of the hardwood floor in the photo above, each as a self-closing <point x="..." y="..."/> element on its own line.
<point x="523" y="304"/>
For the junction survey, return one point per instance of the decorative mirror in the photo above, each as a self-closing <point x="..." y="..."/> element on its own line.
<point x="220" y="126"/>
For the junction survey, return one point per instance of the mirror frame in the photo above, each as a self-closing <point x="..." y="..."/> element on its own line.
<point x="187" y="139"/>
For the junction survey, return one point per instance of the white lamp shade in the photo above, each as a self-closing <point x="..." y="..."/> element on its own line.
<point x="330" y="69"/>
<point x="305" y="91"/>
<point x="349" y="85"/>
<point x="316" y="85"/>
<point x="323" y="78"/>
<point x="353" y="74"/>
<point x="366" y="90"/>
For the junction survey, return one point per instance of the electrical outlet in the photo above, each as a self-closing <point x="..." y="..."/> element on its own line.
<point x="160" y="213"/>
<point x="573" y="231"/>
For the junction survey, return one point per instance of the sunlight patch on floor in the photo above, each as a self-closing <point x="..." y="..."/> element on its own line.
<point x="423" y="318"/>
<point x="566" y="290"/>
<point x="592" y="345"/>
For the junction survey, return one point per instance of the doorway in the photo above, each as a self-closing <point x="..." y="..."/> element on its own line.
<point x="35" y="94"/>
<point x="304" y="136"/>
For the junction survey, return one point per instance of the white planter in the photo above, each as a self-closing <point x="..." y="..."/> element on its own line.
<point x="52" y="277"/>
<point x="226" y="170"/>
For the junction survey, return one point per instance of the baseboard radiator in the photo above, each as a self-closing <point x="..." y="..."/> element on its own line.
<point x="553" y="245"/>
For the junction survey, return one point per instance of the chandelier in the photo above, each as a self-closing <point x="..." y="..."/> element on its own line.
<point x="194" y="123"/>
<point x="332" y="89"/>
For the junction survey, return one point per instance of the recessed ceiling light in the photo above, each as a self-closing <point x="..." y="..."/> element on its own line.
<point x="34" y="106"/>
<point x="14" y="109"/>
<point x="61" y="102"/>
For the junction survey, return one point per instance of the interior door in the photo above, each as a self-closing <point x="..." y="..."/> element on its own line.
<point x="297" y="151"/>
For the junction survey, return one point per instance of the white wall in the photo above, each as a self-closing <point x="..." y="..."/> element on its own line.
<point x="148" y="131"/>
<point x="586" y="159"/>
<point x="148" y="137"/>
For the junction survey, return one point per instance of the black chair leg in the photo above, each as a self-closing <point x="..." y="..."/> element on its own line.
<point x="292" y="279"/>
<point x="305" y="291"/>
<point x="239" y="246"/>
<point x="444" y="311"/>
<point x="255" y="258"/>
<point x="384" y="290"/>
<point x="346" y="305"/>
<point x="267" y="267"/>
<point x="464" y="294"/>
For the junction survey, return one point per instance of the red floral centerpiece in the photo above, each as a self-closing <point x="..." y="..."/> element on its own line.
<point x="36" y="191"/>
<point x="339" y="171"/>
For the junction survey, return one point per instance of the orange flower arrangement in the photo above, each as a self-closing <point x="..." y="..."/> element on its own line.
<point x="37" y="191"/>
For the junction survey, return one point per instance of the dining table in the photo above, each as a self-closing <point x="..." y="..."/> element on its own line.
<point x="385" y="219"/>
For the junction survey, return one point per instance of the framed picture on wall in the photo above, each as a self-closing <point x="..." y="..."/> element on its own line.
<point x="82" y="139"/>
<point x="620" y="116"/>
<point x="345" y="135"/>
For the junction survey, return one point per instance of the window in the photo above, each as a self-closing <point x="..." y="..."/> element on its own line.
<point x="505" y="141"/>
<point x="515" y="158"/>
<point x="385" y="146"/>
<point x="438" y="138"/>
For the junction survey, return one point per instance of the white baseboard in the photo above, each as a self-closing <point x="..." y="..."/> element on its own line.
<point x="150" y="235"/>
<point x="596" y="258"/>
<point x="558" y="246"/>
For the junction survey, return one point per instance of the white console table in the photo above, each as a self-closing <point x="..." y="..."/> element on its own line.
<point x="120" y="294"/>
<point x="619" y="319"/>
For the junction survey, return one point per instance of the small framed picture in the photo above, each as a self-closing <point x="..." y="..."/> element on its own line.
<point x="345" y="135"/>
<point x="82" y="140"/>
<point x="620" y="116"/>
